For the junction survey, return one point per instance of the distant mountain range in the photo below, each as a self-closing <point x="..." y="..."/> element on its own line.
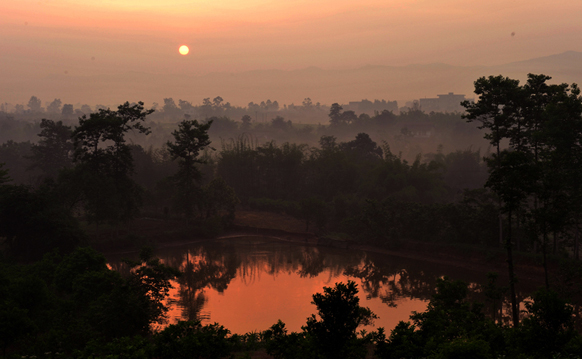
<point x="325" y="86"/>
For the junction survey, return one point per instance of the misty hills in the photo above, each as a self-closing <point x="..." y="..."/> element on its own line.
<point x="326" y="86"/>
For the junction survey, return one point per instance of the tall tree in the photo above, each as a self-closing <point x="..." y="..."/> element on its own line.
<point x="340" y="316"/>
<point x="54" y="149"/>
<point x="497" y="110"/>
<point x="68" y="111"/>
<point x="4" y="177"/>
<point x="55" y="106"/>
<point x="190" y="139"/>
<point x="539" y="171"/>
<point x="335" y="114"/>
<point x="34" y="104"/>
<point x="100" y="149"/>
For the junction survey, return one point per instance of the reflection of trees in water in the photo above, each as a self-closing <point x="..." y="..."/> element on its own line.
<point x="273" y="258"/>
<point x="312" y="263"/>
<point x="202" y="267"/>
<point x="392" y="283"/>
<point x="213" y="265"/>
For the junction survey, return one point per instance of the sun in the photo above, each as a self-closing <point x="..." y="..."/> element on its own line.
<point x="184" y="50"/>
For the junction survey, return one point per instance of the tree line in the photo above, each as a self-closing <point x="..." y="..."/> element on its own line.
<point x="355" y="187"/>
<point x="535" y="172"/>
<point x="410" y="132"/>
<point x="74" y="306"/>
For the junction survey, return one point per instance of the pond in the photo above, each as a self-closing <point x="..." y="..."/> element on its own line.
<point x="247" y="283"/>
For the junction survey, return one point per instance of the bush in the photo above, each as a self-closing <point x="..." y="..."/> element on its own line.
<point x="191" y="340"/>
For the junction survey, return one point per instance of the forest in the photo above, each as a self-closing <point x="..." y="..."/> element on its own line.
<point x="503" y="175"/>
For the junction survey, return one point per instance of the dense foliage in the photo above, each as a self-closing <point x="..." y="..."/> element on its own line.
<point x="53" y="309"/>
<point x="63" y="302"/>
<point x="342" y="184"/>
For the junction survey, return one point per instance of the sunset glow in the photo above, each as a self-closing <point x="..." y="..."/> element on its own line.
<point x="44" y="38"/>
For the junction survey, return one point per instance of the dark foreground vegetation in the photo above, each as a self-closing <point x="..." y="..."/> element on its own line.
<point x="74" y="306"/>
<point x="57" y="296"/>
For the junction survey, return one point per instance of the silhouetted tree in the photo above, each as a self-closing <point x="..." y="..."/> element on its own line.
<point x="54" y="107"/>
<point x="221" y="200"/>
<point x="340" y="316"/>
<point x="101" y="149"/>
<point x="4" y="177"/>
<point x="54" y="149"/>
<point x="543" y="124"/>
<point x="67" y="111"/>
<point x="246" y="122"/>
<point x="34" y="105"/>
<point x="335" y="114"/>
<point x="190" y="138"/>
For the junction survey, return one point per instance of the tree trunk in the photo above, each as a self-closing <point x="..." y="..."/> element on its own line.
<point x="576" y="237"/>
<point x="500" y="215"/>
<point x="514" y="309"/>
<point x="518" y="236"/>
<point x="500" y="226"/>
<point x="545" y="255"/>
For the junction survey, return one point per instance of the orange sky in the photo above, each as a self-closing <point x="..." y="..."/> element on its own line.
<point x="48" y="37"/>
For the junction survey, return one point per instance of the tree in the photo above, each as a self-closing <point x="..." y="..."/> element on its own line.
<point x="4" y="177"/>
<point x="109" y="305"/>
<point x="217" y="103"/>
<point x="190" y="138"/>
<point x="170" y="109"/>
<point x="314" y="209"/>
<point x="349" y="117"/>
<point x="100" y="149"/>
<point x="246" y="122"/>
<point x="384" y="118"/>
<point x="34" y="104"/>
<point x="185" y="105"/>
<point x="537" y="174"/>
<point x="14" y="155"/>
<point x="206" y="107"/>
<point x="55" y="106"/>
<point x="221" y="200"/>
<point x="86" y="109"/>
<point x="279" y="123"/>
<point x="32" y="222"/>
<point x="340" y="316"/>
<point x="335" y="114"/>
<point x="363" y="148"/>
<point x="451" y="327"/>
<point x="238" y="165"/>
<point x="550" y="325"/>
<point x="55" y="148"/>
<point x="191" y="340"/>
<point x="498" y="110"/>
<point x="150" y="280"/>
<point x="14" y="324"/>
<point x="68" y="111"/>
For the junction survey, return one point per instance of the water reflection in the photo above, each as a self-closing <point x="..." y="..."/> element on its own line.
<point x="248" y="283"/>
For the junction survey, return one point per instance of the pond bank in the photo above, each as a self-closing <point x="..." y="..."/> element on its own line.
<point x="162" y="233"/>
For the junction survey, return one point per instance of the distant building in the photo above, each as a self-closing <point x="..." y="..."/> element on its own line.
<point x="443" y="103"/>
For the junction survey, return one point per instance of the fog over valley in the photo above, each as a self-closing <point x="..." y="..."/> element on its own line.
<point x="392" y="83"/>
<point x="303" y="179"/>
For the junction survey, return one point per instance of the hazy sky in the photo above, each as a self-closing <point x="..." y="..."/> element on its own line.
<point x="84" y="37"/>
